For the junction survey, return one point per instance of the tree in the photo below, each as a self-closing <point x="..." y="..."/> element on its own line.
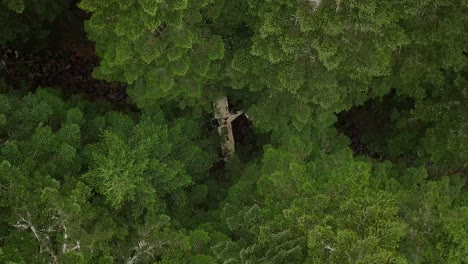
<point x="81" y="182"/>
<point x="313" y="211"/>
<point x="424" y="117"/>
<point x="163" y="49"/>
<point x="300" y="61"/>
<point x="70" y="197"/>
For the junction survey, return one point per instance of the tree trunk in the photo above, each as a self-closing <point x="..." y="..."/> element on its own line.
<point x="225" y="118"/>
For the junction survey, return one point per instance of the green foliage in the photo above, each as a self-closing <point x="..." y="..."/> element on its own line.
<point x="83" y="183"/>
<point x="125" y="164"/>
<point x="428" y="130"/>
<point x="72" y="198"/>
<point x="303" y="61"/>
<point x="160" y="48"/>
<point x="334" y="209"/>
<point x="430" y="234"/>
<point x="430" y="73"/>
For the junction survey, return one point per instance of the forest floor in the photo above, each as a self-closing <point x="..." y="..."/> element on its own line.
<point x="66" y="62"/>
<point x="357" y="146"/>
<point x="60" y="69"/>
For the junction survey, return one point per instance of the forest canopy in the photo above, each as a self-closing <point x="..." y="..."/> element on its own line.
<point x="212" y="131"/>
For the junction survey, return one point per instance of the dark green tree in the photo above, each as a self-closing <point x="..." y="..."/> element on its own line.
<point x="71" y="197"/>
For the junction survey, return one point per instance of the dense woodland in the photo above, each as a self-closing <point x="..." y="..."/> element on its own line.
<point x="350" y="143"/>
